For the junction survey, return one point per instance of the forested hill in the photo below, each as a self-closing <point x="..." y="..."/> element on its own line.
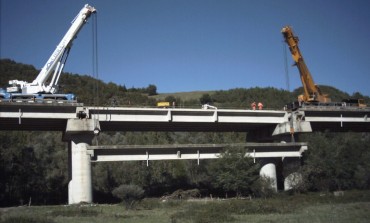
<point x="83" y="86"/>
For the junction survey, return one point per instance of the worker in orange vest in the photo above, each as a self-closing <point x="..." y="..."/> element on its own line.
<point x="260" y="105"/>
<point x="253" y="105"/>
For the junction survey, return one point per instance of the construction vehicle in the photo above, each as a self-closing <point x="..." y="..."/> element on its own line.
<point x="312" y="93"/>
<point x="45" y="86"/>
<point x="163" y="104"/>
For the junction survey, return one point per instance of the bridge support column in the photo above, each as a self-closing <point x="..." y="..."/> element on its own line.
<point x="79" y="134"/>
<point x="79" y="186"/>
<point x="292" y="181"/>
<point x="268" y="170"/>
<point x="292" y="178"/>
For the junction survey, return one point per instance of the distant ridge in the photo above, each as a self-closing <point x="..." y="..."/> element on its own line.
<point x="185" y="96"/>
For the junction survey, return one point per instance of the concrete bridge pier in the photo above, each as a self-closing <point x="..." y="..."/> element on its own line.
<point x="283" y="172"/>
<point x="79" y="186"/>
<point x="79" y="134"/>
<point x="268" y="171"/>
<point x="292" y="178"/>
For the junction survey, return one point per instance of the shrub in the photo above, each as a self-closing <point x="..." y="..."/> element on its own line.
<point x="262" y="187"/>
<point x="129" y="194"/>
<point x="184" y="194"/>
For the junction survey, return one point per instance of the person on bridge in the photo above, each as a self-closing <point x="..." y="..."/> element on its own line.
<point x="260" y="105"/>
<point x="253" y="105"/>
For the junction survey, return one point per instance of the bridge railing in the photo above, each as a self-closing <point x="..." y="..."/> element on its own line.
<point x="37" y="101"/>
<point x="333" y="106"/>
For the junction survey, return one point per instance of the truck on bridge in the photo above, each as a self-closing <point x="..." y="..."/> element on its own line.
<point x="312" y="95"/>
<point x="45" y="86"/>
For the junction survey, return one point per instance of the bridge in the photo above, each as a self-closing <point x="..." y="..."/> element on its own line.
<point x="80" y="123"/>
<point x="54" y="117"/>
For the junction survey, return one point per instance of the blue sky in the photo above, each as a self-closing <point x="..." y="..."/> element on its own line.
<point x="194" y="45"/>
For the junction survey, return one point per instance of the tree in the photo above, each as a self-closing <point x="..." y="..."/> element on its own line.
<point x="234" y="171"/>
<point x="337" y="161"/>
<point x="173" y="100"/>
<point x="151" y="90"/>
<point x="205" y="99"/>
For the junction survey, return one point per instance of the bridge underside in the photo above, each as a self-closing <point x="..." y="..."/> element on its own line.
<point x="338" y="120"/>
<point x="21" y="124"/>
<point x="50" y="124"/>
<point x="182" y="126"/>
<point x="341" y="127"/>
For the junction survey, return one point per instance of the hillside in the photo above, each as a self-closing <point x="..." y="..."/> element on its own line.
<point x="112" y="94"/>
<point x="184" y="96"/>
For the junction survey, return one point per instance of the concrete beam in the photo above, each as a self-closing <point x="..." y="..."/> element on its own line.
<point x="154" y="119"/>
<point x="192" y="151"/>
<point x="186" y="115"/>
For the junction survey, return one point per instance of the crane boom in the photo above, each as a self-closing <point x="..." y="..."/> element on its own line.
<point x="312" y="92"/>
<point x="55" y="63"/>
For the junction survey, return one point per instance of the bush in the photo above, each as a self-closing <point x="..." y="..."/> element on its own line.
<point x="262" y="187"/>
<point x="184" y="194"/>
<point x="129" y="194"/>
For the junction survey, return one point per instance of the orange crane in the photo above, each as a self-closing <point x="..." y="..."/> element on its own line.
<point x="312" y="92"/>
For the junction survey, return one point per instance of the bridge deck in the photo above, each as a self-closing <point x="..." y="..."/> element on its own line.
<point x="54" y="117"/>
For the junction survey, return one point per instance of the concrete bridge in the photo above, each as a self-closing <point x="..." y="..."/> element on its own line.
<point x="54" y="117"/>
<point x="81" y="123"/>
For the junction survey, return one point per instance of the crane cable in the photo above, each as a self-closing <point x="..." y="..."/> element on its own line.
<point x="286" y="67"/>
<point x="95" y="74"/>
<point x="95" y="59"/>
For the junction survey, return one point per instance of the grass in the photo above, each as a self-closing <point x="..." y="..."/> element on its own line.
<point x="353" y="207"/>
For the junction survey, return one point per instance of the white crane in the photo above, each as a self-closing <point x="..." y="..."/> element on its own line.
<point x="54" y="66"/>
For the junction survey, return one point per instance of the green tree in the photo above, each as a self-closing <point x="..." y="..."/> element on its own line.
<point x="337" y="161"/>
<point x="151" y="90"/>
<point x="234" y="171"/>
<point x="172" y="99"/>
<point x="205" y="99"/>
